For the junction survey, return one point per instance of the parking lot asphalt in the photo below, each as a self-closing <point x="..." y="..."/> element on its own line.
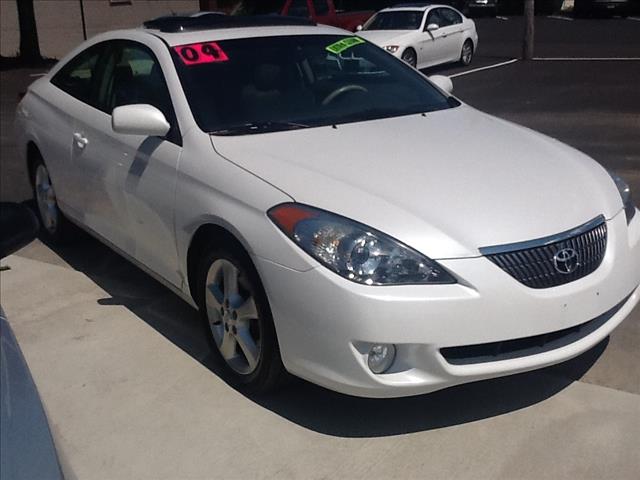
<point x="131" y="390"/>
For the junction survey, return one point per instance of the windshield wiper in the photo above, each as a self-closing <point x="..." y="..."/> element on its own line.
<point x="259" y="127"/>
<point x="375" y="114"/>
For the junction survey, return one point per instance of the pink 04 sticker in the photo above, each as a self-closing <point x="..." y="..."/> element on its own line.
<point x="198" y="53"/>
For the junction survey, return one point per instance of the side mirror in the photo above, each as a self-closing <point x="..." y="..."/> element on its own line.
<point x="442" y="82"/>
<point x="139" y="120"/>
<point x="359" y="28"/>
<point x="18" y="227"/>
<point x="432" y="26"/>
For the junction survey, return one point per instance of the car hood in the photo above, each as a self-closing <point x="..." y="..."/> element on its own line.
<point x="446" y="183"/>
<point x="386" y="37"/>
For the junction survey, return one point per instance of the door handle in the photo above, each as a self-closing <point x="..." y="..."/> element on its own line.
<point x="81" y="141"/>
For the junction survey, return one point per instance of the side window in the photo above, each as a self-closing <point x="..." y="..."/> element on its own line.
<point x="78" y="76"/>
<point x="434" y="17"/>
<point x="299" y="8"/>
<point x="321" y="7"/>
<point x="133" y="75"/>
<point x="451" y="17"/>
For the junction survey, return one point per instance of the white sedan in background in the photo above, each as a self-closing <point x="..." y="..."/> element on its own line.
<point x="423" y="36"/>
<point x="314" y="197"/>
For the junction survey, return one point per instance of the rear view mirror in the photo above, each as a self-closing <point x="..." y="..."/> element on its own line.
<point x="443" y="82"/>
<point x="432" y="26"/>
<point x="139" y="119"/>
<point x="18" y="227"/>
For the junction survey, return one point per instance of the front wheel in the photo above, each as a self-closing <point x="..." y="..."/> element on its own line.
<point x="236" y="310"/>
<point x="409" y="56"/>
<point x="466" y="55"/>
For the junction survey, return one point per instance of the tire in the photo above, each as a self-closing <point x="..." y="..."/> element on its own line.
<point x="466" y="54"/>
<point x="410" y="57"/>
<point x="53" y="223"/>
<point x="236" y="312"/>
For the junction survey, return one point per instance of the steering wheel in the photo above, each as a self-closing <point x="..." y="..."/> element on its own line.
<point x="342" y="90"/>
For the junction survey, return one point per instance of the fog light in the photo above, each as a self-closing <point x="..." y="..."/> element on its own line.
<point x="381" y="357"/>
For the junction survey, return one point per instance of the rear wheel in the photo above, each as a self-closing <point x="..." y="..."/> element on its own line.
<point x="235" y="308"/>
<point x="54" y="224"/>
<point x="466" y="55"/>
<point x="410" y="57"/>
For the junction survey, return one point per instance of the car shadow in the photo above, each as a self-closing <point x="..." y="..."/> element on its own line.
<point x="301" y="402"/>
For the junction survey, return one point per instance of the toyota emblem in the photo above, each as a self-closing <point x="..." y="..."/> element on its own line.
<point x="566" y="261"/>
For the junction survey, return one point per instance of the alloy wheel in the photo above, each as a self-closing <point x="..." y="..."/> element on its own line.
<point x="233" y="316"/>
<point x="46" y="199"/>
<point x="409" y="56"/>
<point x="467" y="53"/>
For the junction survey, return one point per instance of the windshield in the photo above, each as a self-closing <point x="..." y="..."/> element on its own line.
<point x="397" y="20"/>
<point x="254" y="85"/>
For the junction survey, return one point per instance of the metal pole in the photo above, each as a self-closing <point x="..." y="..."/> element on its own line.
<point x="84" y="24"/>
<point x="527" y="43"/>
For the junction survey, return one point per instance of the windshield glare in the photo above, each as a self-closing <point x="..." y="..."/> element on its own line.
<point x="256" y="85"/>
<point x="397" y="20"/>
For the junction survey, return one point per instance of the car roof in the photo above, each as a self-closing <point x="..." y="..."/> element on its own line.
<point x="422" y="7"/>
<point x="216" y="20"/>
<point x="193" y="28"/>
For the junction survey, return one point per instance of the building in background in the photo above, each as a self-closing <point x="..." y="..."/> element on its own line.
<point x="59" y="22"/>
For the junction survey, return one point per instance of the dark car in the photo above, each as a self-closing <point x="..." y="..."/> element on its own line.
<point x="516" y="7"/>
<point x="476" y="7"/>
<point x="583" y="8"/>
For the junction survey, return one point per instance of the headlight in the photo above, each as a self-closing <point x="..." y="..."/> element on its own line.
<point x="355" y="251"/>
<point x="392" y="48"/>
<point x="625" y="195"/>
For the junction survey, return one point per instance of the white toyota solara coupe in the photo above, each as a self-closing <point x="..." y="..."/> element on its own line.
<point x="314" y="198"/>
<point x="423" y="36"/>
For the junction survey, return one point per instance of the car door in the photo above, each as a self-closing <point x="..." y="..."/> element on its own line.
<point x="434" y="41"/>
<point x="131" y="179"/>
<point x="453" y="28"/>
<point x="440" y="43"/>
<point x="72" y="89"/>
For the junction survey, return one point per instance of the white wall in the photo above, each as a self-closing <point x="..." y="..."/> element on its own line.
<point x="60" y="25"/>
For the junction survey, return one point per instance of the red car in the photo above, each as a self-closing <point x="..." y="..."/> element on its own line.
<point x="324" y="11"/>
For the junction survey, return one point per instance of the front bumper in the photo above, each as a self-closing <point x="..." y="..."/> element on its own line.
<point x="325" y="324"/>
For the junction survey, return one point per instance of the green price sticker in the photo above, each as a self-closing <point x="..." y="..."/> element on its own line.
<point x="344" y="44"/>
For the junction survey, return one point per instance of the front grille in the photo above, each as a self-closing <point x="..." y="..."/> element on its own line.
<point x="556" y="260"/>
<point x="523" y="347"/>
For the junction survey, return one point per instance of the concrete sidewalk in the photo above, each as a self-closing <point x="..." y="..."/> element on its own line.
<point x="122" y="371"/>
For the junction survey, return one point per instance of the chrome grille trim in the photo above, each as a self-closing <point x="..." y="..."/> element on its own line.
<point x="539" y="242"/>
<point x="532" y="262"/>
